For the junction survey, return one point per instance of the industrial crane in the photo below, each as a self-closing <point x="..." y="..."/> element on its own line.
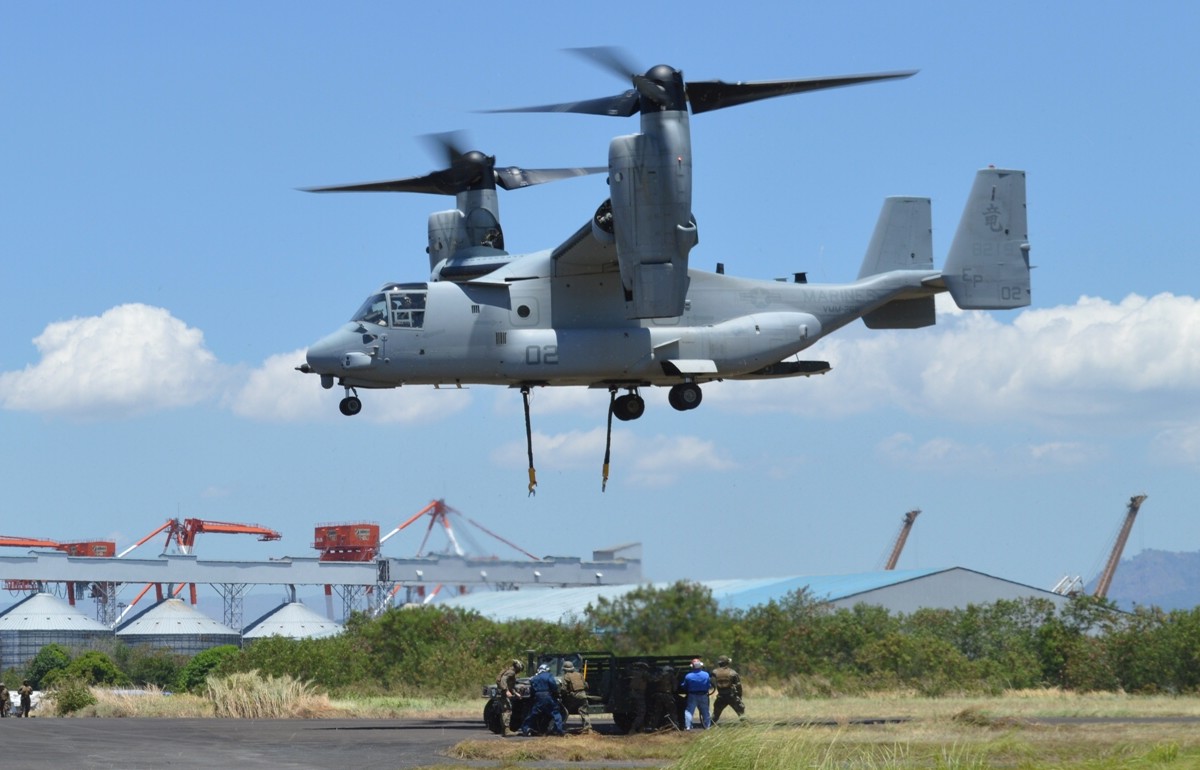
<point x="183" y="534"/>
<point x="902" y="538"/>
<point x="1110" y="569"/>
<point x="91" y="548"/>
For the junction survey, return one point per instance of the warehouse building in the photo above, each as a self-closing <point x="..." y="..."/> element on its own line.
<point x="898" y="591"/>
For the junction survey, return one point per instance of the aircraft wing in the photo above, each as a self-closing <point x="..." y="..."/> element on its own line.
<point x="583" y="254"/>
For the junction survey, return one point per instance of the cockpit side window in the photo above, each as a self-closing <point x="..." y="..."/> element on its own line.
<point x="408" y="309"/>
<point x="373" y="311"/>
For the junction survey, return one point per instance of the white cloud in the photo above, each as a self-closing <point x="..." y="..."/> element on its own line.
<point x="1137" y="361"/>
<point x="130" y="360"/>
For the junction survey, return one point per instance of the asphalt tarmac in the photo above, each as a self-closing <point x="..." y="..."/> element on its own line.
<point x="151" y="744"/>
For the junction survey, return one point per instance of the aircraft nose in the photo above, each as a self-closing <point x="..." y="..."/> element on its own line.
<point x="325" y="355"/>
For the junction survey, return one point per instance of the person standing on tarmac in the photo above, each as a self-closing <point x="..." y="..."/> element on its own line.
<point x="697" y="684"/>
<point x="26" y="693"/>
<point x="575" y="693"/>
<point x="544" y="688"/>
<point x="729" y="689"/>
<point x="5" y="700"/>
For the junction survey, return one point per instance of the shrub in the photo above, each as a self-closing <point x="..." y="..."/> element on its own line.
<point x="71" y="695"/>
<point x="194" y="674"/>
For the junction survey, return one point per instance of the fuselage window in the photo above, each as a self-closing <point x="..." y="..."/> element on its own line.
<point x="373" y="311"/>
<point x="408" y="309"/>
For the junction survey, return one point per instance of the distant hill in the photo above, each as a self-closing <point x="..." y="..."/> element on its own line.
<point x="1163" y="579"/>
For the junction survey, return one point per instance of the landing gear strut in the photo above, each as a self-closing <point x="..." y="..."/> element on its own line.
<point x="350" y="405"/>
<point x="685" y="396"/>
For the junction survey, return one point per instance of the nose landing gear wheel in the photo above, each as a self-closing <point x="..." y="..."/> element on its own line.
<point x="629" y="407"/>
<point x="350" y="406"/>
<point x="686" y="396"/>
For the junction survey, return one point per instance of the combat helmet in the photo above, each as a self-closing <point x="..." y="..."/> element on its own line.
<point x="723" y="660"/>
<point x="518" y="666"/>
<point x="568" y="666"/>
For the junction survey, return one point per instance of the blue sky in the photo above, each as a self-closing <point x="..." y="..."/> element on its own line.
<point x="160" y="275"/>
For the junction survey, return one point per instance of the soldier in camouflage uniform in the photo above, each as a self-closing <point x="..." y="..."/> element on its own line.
<point x="574" y="693"/>
<point x="664" y="704"/>
<point x="639" y="677"/>
<point x="507" y="681"/>
<point x="5" y="700"/>
<point x="729" y="689"/>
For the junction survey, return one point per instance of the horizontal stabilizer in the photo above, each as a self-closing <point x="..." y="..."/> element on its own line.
<point x="903" y="238"/>
<point x="988" y="264"/>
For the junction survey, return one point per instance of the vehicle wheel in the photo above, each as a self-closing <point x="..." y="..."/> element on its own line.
<point x="493" y="717"/>
<point x="623" y="721"/>
<point x="686" y="396"/>
<point x="629" y="407"/>
<point x="350" y="406"/>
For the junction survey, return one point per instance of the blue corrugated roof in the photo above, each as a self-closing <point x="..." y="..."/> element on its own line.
<point x="564" y="604"/>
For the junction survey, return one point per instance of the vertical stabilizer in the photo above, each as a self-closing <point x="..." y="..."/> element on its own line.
<point x="988" y="264"/>
<point x="903" y="238"/>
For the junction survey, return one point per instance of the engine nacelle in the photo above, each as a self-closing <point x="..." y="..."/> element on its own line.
<point x="650" y="181"/>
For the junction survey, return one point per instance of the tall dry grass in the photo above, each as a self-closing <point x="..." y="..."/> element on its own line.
<point x="250" y="695"/>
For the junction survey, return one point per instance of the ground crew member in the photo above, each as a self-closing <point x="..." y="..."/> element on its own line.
<point x="544" y="688"/>
<point x="697" y="685"/>
<point x="5" y="700"/>
<point x="26" y="693"/>
<point x="664" y="699"/>
<point x="507" y="681"/>
<point x="729" y="689"/>
<point x="639" y="675"/>
<point x="575" y="693"/>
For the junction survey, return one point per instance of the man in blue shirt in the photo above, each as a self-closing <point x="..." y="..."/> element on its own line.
<point x="544" y="688"/>
<point x="697" y="685"/>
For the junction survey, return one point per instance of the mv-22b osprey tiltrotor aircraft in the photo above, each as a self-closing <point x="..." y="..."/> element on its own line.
<point x="616" y="306"/>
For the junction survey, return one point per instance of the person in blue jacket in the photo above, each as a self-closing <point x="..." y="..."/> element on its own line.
<point x="697" y="684"/>
<point x="544" y="688"/>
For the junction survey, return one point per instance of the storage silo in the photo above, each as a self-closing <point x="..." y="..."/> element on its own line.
<point x="173" y="625"/>
<point x="41" y="619"/>
<point x="294" y="621"/>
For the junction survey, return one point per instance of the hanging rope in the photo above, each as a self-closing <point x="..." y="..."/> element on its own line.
<point x="612" y="399"/>
<point x="529" y="441"/>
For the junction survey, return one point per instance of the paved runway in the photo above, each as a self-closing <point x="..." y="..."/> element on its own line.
<point x="151" y="744"/>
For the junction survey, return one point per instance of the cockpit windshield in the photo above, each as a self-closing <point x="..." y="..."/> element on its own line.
<point x="400" y="306"/>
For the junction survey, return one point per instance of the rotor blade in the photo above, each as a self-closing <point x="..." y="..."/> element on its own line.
<point x="513" y="178"/>
<point x="438" y="183"/>
<point x="622" y="105"/>
<point x="615" y="60"/>
<point x="708" y="95"/>
<point x="447" y="144"/>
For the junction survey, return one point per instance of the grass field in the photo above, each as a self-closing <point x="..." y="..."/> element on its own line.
<point x="907" y="732"/>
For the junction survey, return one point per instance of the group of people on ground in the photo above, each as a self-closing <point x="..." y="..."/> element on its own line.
<point x="698" y="684"/>
<point x="25" y="696"/>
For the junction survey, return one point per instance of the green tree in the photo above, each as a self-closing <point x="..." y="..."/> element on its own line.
<point x="52" y="657"/>
<point x="93" y="668"/>
<point x="196" y="671"/>
<point x="679" y="619"/>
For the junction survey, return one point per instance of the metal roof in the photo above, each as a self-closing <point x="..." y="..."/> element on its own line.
<point x="44" y="612"/>
<point x="558" y="605"/>
<point x="172" y="617"/>
<point x="293" y="620"/>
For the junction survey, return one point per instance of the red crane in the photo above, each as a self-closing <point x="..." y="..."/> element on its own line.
<point x="902" y="538"/>
<point x="90" y="548"/>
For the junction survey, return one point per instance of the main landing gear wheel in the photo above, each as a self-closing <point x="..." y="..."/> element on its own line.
<point x="686" y="396"/>
<point x="350" y="406"/>
<point x="629" y="407"/>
